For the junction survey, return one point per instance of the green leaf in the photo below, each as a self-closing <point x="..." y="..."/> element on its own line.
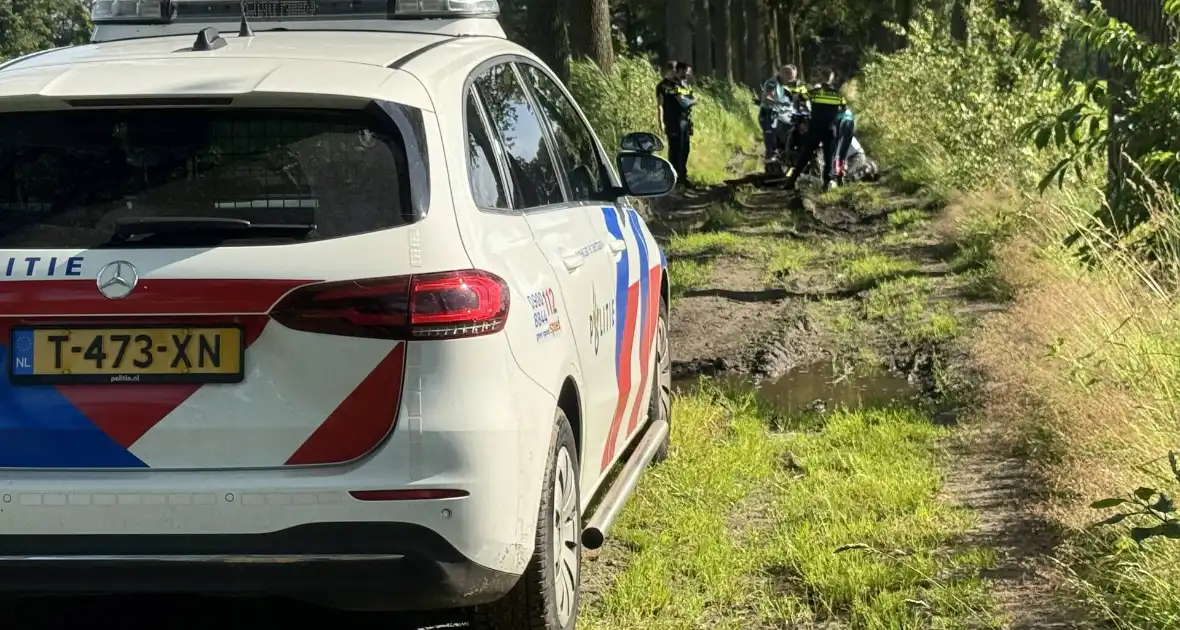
<point x="1043" y="136"/>
<point x="1144" y="494"/>
<point x="1103" y="504"/>
<point x="1172" y="461"/>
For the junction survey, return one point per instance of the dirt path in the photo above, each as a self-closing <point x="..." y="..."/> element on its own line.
<point x="769" y="283"/>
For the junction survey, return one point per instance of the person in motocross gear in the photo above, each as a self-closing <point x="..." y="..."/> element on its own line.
<point x="827" y="104"/>
<point x="858" y="166"/>
<point x="782" y="93"/>
<point x="845" y="136"/>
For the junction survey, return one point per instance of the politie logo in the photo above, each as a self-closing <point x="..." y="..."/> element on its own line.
<point x="602" y="319"/>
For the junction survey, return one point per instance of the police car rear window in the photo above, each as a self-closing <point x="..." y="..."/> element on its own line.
<point x="68" y="177"/>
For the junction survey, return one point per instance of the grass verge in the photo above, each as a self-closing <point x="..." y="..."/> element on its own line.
<point x="1083" y="371"/>
<point x="835" y="521"/>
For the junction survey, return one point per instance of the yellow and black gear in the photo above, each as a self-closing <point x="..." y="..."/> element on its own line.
<point x="797" y="89"/>
<point x="826" y="105"/>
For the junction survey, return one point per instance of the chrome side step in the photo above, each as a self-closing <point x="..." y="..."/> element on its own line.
<point x="594" y="535"/>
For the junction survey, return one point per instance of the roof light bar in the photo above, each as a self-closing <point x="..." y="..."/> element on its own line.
<point x="446" y="8"/>
<point x="131" y="12"/>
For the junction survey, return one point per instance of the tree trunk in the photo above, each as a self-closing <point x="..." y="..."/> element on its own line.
<point x="603" y="45"/>
<point x="549" y="36"/>
<point x="960" y="25"/>
<point x="737" y="38"/>
<point x="755" y="33"/>
<point x="773" y="50"/>
<point x="792" y="52"/>
<point x="702" y="38"/>
<point x="593" y="41"/>
<point x="905" y="14"/>
<point x="1032" y="19"/>
<point x="722" y="43"/>
<point x="678" y="29"/>
<point x="1148" y="20"/>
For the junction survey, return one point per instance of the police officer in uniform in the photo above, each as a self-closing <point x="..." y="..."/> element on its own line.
<point x="667" y="83"/>
<point x="827" y="104"/>
<point x="677" y="100"/>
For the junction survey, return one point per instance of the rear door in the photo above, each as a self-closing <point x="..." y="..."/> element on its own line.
<point x="621" y="319"/>
<point x="562" y="223"/>
<point x="146" y="324"/>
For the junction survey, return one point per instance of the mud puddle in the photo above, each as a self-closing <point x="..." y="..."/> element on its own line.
<point x="819" y="387"/>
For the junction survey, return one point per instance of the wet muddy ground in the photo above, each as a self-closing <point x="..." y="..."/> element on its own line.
<point x="858" y="292"/>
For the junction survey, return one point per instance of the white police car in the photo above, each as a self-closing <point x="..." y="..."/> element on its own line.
<point x="345" y="304"/>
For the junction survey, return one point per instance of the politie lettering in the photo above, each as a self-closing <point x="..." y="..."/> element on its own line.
<point x="42" y="266"/>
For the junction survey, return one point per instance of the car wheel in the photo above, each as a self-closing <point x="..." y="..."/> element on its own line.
<point x="660" y="405"/>
<point x="547" y="596"/>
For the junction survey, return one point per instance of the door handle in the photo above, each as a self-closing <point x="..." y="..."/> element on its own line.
<point x="573" y="261"/>
<point x="618" y="245"/>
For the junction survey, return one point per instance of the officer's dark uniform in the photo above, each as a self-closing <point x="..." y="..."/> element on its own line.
<point x="826" y="106"/>
<point x="677" y="99"/>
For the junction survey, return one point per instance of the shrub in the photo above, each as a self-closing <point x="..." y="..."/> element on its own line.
<point x="945" y="112"/>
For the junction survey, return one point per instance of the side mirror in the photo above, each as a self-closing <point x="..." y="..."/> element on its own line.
<point x="641" y="142"/>
<point x="646" y="175"/>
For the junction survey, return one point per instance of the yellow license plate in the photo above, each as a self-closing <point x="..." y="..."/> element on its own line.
<point x="126" y="355"/>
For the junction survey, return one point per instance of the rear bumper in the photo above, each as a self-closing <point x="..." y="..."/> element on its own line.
<point x="391" y="566"/>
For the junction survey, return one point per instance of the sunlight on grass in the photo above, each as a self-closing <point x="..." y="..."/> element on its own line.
<point x="868" y="269"/>
<point x="739" y="529"/>
<point x="686" y="275"/>
<point x="723" y="216"/>
<point x="705" y="243"/>
<point x="907" y="218"/>
<point x="859" y="196"/>
<point x="907" y="306"/>
<point x="786" y="257"/>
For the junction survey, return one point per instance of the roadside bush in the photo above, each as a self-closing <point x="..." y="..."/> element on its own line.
<point x="945" y="112"/>
<point x="725" y="118"/>
<point x="1144" y="90"/>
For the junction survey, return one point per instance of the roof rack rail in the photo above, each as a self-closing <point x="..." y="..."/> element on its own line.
<point x="130" y="19"/>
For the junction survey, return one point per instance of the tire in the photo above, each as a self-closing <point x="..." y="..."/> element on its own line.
<point x="547" y="595"/>
<point x="659" y="406"/>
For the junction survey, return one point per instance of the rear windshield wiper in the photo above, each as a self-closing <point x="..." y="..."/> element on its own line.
<point x="197" y="231"/>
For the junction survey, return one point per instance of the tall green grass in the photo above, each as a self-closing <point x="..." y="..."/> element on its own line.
<point x="725" y="118"/>
<point x="1082" y="372"/>
<point x="836" y="523"/>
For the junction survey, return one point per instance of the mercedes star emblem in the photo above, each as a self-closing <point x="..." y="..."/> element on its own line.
<point x="117" y="279"/>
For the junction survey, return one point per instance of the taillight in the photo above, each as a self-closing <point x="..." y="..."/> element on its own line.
<point x="448" y="305"/>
